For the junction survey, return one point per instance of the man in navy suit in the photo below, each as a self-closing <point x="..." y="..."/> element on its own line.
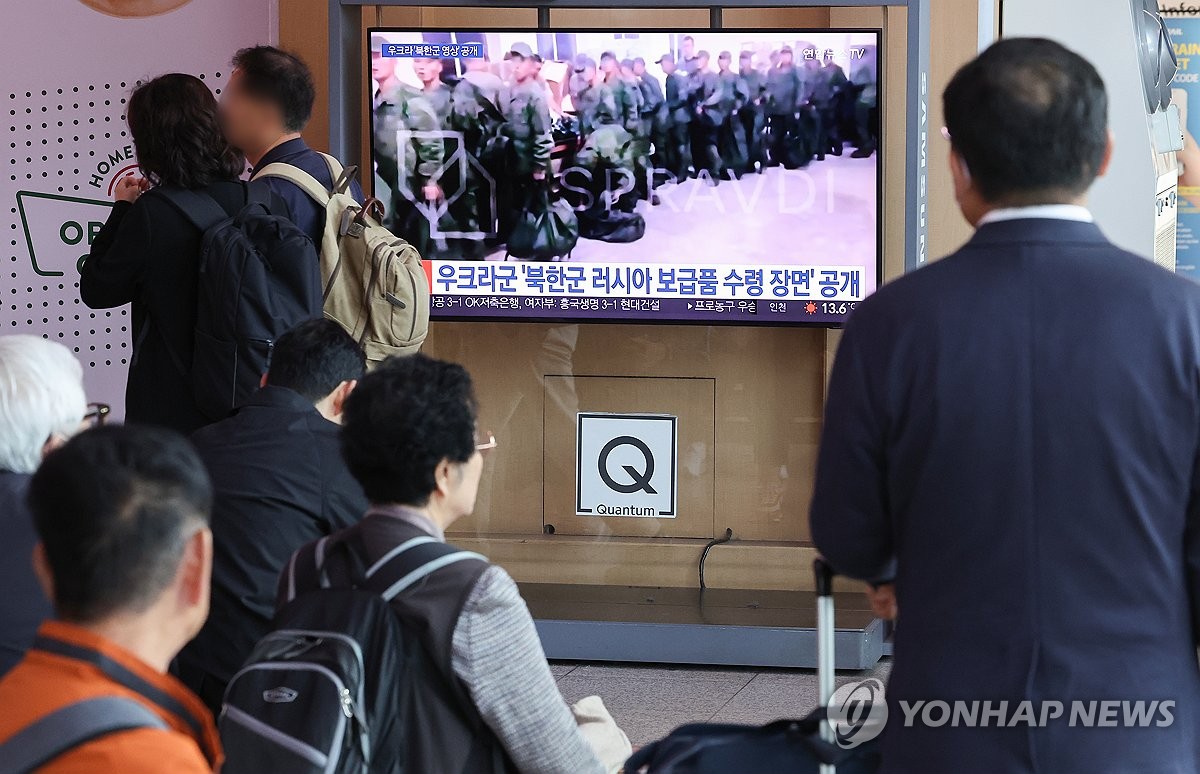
<point x="1012" y="436"/>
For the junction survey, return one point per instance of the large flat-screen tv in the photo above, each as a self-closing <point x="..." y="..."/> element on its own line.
<point x="713" y="177"/>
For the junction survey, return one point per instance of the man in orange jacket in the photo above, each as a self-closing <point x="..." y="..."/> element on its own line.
<point x="126" y="556"/>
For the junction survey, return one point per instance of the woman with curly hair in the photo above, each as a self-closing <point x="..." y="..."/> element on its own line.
<point x="147" y="254"/>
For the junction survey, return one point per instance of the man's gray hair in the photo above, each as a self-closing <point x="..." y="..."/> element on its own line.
<point x="41" y="396"/>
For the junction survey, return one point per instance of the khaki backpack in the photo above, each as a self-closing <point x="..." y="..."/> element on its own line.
<point x="374" y="284"/>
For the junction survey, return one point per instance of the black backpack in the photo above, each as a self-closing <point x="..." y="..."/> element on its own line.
<point x="611" y="225"/>
<point x="259" y="276"/>
<point x="783" y="746"/>
<point x="342" y="685"/>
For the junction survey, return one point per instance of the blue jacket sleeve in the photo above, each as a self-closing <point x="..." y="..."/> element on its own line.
<point x="1191" y="548"/>
<point x="849" y="516"/>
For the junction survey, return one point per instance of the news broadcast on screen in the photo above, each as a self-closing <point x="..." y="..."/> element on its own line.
<point x="653" y="176"/>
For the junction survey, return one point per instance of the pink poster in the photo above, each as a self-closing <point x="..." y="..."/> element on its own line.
<point x="70" y="67"/>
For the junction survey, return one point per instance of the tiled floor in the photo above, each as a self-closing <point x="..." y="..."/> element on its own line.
<point x="650" y="700"/>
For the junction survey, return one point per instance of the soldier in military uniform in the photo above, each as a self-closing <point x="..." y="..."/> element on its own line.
<point x="429" y="72"/>
<point x="383" y="73"/>
<point x="439" y="96"/>
<point x="625" y="94"/>
<point x="610" y="154"/>
<point x="581" y="76"/>
<point x="611" y="160"/>
<point x="687" y="55"/>
<point x="476" y="114"/>
<point x="628" y="98"/>
<point x="591" y="97"/>
<point x="677" y="150"/>
<point x="527" y="126"/>
<point x="639" y="128"/>
<point x="866" y="114"/>
<point x="409" y="163"/>
<point x="783" y="87"/>
<point x="812" y="126"/>
<point x="731" y="137"/>
<point x="708" y="117"/>
<point x="654" y="111"/>
<point x="831" y="84"/>
<point x="753" y="88"/>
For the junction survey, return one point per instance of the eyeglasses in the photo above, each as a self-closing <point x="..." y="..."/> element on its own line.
<point x="97" y="414"/>
<point x="487" y="445"/>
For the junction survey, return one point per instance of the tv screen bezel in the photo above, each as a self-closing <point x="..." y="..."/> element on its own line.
<point x="767" y="322"/>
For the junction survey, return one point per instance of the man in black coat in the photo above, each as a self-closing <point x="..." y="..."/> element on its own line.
<point x="1012" y="435"/>
<point x="279" y="482"/>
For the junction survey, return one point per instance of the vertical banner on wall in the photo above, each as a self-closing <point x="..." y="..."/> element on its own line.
<point x="64" y="144"/>
<point x="1183" y="24"/>
<point x="917" y="210"/>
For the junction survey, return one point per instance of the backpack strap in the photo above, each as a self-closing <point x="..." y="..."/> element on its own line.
<point x="200" y="209"/>
<point x="321" y="565"/>
<point x="341" y="176"/>
<point x="304" y="571"/>
<point x="203" y="211"/>
<point x="410" y="562"/>
<point x="298" y="177"/>
<point x="397" y="570"/>
<point x="403" y="568"/>
<point x="119" y="673"/>
<point x="73" y="726"/>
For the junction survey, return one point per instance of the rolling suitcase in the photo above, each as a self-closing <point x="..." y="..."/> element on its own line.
<point x="783" y="747"/>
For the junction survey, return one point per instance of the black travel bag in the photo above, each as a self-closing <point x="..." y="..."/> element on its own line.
<point x="611" y="225"/>
<point x="782" y="747"/>
<point x="544" y="230"/>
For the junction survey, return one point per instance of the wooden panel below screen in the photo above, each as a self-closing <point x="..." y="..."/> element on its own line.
<point x="769" y="385"/>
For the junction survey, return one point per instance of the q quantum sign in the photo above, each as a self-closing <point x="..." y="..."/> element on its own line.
<point x="626" y="465"/>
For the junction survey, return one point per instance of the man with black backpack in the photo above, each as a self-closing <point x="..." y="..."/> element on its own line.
<point x="394" y="651"/>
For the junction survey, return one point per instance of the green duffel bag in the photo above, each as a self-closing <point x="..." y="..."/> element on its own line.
<point x="544" y="230"/>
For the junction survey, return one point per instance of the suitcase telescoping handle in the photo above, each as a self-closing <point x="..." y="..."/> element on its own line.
<point x="823" y="579"/>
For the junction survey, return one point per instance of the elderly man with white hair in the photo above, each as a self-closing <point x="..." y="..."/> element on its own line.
<point x="42" y="404"/>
